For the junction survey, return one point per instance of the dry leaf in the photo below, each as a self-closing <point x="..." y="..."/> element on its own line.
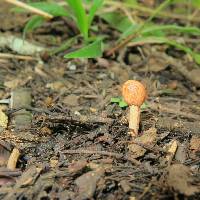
<point x="87" y="183"/>
<point x="179" y="178"/>
<point x="147" y="138"/>
<point x="195" y="143"/>
<point x="17" y="82"/>
<point x="6" y="180"/>
<point x="77" y="166"/>
<point x="53" y="162"/>
<point x="57" y="85"/>
<point x="172" y="147"/>
<point x="4" y="155"/>
<point x="71" y="100"/>
<point x="3" y="120"/>
<point x="181" y="153"/>
<point x="155" y="64"/>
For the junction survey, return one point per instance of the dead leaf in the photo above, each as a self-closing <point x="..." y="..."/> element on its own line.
<point x="53" y="162"/>
<point x="29" y="176"/>
<point x="87" y="183"/>
<point x="118" y="72"/>
<point x="195" y="143"/>
<point x="181" y="153"/>
<point x="147" y="138"/>
<point x="71" y="100"/>
<point x="179" y="178"/>
<point x="57" y="86"/>
<point x="17" y="82"/>
<point x="49" y="102"/>
<point x="4" y="180"/>
<point x="4" y="153"/>
<point x="3" y="120"/>
<point x="154" y="64"/>
<point x="125" y="185"/>
<point x="194" y="76"/>
<point x="77" y="166"/>
<point x="45" y="131"/>
<point x="172" y="147"/>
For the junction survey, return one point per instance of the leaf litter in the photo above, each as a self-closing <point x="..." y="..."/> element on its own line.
<point x="180" y="179"/>
<point x="77" y="146"/>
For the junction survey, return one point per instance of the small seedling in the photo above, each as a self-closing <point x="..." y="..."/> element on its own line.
<point x="122" y="104"/>
<point x="119" y="101"/>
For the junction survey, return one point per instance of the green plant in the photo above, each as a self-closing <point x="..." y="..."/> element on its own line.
<point x="122" y="104"/>
<point x="149" y="32"/>
<point x="83" y="12"/>
<point x="119" y="101"/>
<point x="92" y="46"/>
<point x="84" y="21"/>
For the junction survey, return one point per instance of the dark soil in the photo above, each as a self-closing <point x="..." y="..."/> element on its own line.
<point x="77" y="144"/>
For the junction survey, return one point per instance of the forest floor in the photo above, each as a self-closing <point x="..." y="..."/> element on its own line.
<point x="74" y="143"/>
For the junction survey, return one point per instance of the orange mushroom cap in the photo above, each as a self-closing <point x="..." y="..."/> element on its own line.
<point x="134" y="93"/>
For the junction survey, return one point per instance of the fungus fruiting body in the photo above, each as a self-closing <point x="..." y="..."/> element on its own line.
<point x="134" y="94"/>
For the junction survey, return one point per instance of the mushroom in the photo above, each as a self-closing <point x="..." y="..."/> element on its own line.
<point x="134" y="94"/>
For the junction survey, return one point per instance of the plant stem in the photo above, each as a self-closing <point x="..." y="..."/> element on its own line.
<point x="140" y="28"/>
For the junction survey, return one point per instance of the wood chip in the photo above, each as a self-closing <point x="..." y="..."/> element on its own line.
<point x="12" y="161"/>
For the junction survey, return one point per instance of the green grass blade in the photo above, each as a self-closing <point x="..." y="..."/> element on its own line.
<point x="33" y="23"/>
<point x="161" y="40"/>
<point x="117" y="20"/>
<point x="161" y="30"/>
<point x="81" y="17"/>
<point x="115" y="99"/>
<point x="172" y="29"/>
<point x="65" y="45"/>
<point x="95" y="6"/>
<point x="93" y="50"/>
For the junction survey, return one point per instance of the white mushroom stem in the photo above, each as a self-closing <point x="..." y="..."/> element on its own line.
<point x="134" y="120"/>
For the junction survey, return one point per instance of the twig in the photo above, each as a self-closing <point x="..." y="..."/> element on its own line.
<point x="30" y="8"/>
<point x="82" y="119"/>
<point x="10" y="173"/>
<point x="144" y="11"/>
<point x="105" y="153"/>
<point x="149" y="148"/>
<point x="3" y="61"/>
<point x="132" y="36"/>
<point x="8" y="55"/>
<point x="146" y="189"/>
<point x="163" y="108"/>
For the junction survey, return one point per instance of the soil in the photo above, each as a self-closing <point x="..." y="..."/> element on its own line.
<point x="75" y="144"/>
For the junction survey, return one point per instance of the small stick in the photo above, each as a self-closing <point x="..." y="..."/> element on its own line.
<point x="167" y="109"/>
<point x="12" y="161"/>
<point x="105" y="153"/>
<point x="138" y="31"/>
<point x="20" y="57"/>
<point x="3" y="61"/>
<point x="30" y="8"/>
